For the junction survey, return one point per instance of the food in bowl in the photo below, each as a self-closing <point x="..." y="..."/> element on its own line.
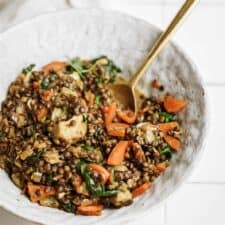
<point x="67" y="144"/>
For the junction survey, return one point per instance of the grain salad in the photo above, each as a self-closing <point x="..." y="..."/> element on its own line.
<point x="67" y="144"/>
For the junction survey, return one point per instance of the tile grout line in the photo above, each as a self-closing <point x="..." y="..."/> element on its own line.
<point x="165" y="214"/>
<point x="206" y="183"/>
<point x="215" y="84"/>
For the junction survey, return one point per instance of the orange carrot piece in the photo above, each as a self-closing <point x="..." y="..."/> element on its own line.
<point x="174" y="105"/>
<point x="35" y="85"/>
<point x="111" y="177"/>
<point x="127" y="116"/>
<point x="143" y="110"/>
<point x="161" y="167"/>
<point x="117" y="129"/>
<point x="111" y="114"/>
<point x="165" y="127"/>
<point x="90" y="210"/>
<point x="47" y="95"/>
<point x="100" y="170"/>
<point x="105" y="109"/>
<point x="156" y="84"/>
<point x="39" y="192"/>
<point x="41" y="113"/>
<point x="172" y="142"/>
<point x="55" y="66"/>
<point x="141" y="189"/>
<point x="138" y="152"/>
<point x="117" y="154"/>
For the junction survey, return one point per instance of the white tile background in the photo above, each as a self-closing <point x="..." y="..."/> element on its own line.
<point x="202" y="199"/>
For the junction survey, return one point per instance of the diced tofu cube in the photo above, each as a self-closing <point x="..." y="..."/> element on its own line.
<point x="122" y="198"/>
<point x="72" y="130"/>
<point x="148" y="131"/>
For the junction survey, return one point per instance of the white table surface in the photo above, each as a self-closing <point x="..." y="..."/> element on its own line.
<point x="201" y="200"/>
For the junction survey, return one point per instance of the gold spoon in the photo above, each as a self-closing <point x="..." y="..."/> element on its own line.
<point x="124" y="92"/>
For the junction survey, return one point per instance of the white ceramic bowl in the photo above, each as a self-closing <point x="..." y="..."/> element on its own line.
<point x="90" y="33"/>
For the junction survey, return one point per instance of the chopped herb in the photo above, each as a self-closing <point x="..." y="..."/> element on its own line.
<point x="112" y="79"/>
<point x="98" y="99"/>
<point x="2" y="137"/>
<point x="28" y="69"/>
<point x="87" y="147"/>
<point x="85" y="118"/>
<point x="166" y="152"/>
<point x="168" y="116"/>
<point x="70" y="208"/>
<point x="30" y="131"/>
<point x="99" y="81"/>
<point x="110" y="68"/>
<point x="49" y="178"/>
<point x="38" y="155"/>
<point x="77" y="66"/>
<point x="36" y="135"/>
<point x="45" y="83"/>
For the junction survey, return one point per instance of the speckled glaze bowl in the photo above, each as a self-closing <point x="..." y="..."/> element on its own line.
<point x="90" y="33"/>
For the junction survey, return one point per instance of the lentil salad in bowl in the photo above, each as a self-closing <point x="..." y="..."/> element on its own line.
<point x="68" y="145"/>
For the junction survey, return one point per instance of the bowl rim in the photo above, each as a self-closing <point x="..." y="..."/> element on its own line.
<point x="196" y="73"/>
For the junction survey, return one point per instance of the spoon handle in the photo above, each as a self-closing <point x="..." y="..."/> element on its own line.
<point x="162" y="40"/>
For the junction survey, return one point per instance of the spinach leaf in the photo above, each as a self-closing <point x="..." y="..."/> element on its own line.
<point x="166" y="152"/>
<point x="97" y="189"/>
<point x="168" y="116"/>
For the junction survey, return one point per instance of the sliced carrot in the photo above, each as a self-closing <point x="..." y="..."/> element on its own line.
<point x="47" y="95"/>
<point x="138" y="152"/>
<point x="111" y="177"/>
<point x="100" y="170"/>
<point x="111" y="114"/>
<point x="55" y="66"/>
<point x="165" y="127"/>
<point x="174" y="105"/>
<point x="161" y="167"/>
<point x="90" y="97"/>
<point x="156" y="84"/>
<point x="105" y="109"/>
<point x="41" y="113"/>
<point x="117" y="129"/>
<point x="172" y="142"/>
<point x="141" y="189"/>
<point x="143" y="110"/>
<point x="39" y="192"/>
<point x="117" y="154"/>
<point x="127" y="116"/>
<point x="35" y="85"/>
<point x="90" y="210"/>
